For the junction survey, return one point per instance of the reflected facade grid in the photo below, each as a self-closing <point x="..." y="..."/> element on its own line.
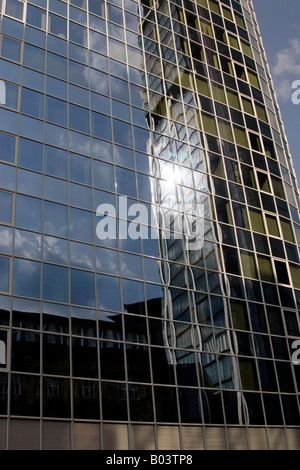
<point x="175" y="328"/>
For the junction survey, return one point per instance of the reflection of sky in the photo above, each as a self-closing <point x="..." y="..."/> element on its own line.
<point x="6" y="240"/>
<point x="81" y="255"/>
<point x="27" y="244"/>
<point x="55" y="250"/>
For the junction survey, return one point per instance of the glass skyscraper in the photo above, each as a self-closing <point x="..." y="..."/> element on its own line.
<point x="149" y="230"/>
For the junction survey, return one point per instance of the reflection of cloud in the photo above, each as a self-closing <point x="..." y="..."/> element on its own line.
<point x="28" y="244"/>
<point x="82" y="256"/>
<point x="286" y="69"/>
<point x="79" y="143"/>
<point x="108" y="262"/>
<point x="5" y="240"/>
<point x="55" y="248"/>
<point x="27" y="269"/>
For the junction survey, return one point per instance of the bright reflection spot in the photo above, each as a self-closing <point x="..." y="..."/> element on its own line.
<point x="171" y="174"/>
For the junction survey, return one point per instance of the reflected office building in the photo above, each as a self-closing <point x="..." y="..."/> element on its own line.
<point x="176" y="330"/>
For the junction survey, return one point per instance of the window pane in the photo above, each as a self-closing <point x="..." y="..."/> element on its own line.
<point x="26" y="280"/>
<point x="14" y="8"/>
<point x="55" y="250"/>
<point x="32" y="103"/>
<point x="30" y="154"/>
<point x="7" y="147"/>
<point x="55" y="219"/>
<point x="55" y="283"/>
<point x="56" y="162"/>
<point x="28" y="213"/>
<point x="4" y="274"/>
<point x="56" y="189"/>
<point x="57" y="66"/>
<point x="79" y="118"/>
<point x="27" y="244"/>
<point x="101" y="126"/>
<point x="103" y="174"/>
<point x="8" y="95"/>
<point x="108" y="292"/>
<point x="11" y="49"/>
<point x="5" y="207"/>
<point x="80" y="169"/>
<point x="56" y="111"/>
<point x="36" y="17"/>
<point x="58" y="25"/>
<point x="81" y="256"/>
<point x="82" y="288"/>
<point x="107" y="260"/>
<point x="34" y="57"/>
<point x="29" y="183"/>
<point x="77" y="33"/>
<point x="96" y="7"/>
<point x="81" y="225"/>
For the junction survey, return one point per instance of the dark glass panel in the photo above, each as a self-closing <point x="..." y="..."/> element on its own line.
<point x="114" y="401"/>
<point x="25" y="395"/>
<point x="56" y="354"/>
<point x="86" y="399"/>
<point x="56" y="397"/>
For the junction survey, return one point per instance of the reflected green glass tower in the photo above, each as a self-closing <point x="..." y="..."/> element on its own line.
<point x="149" y="230"/>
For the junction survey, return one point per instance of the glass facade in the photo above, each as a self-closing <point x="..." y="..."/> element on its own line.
<point x="172" y="328"/>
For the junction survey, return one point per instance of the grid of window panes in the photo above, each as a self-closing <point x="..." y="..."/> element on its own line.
<point x="167" y="104"/>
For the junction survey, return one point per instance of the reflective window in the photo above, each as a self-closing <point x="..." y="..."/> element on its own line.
<point x="34" y="57"/>
<point x="28" y="213"/>
<point x="77" y="33"/>
<point x="81" y="225"/>
<point x="58" y="25"/>
<point x="32" y="103"/>
<point x="29" y="183"/>
<point x="14" y="8"/>
<point x="7" y="147"/>
<point x="56" y="355"/>
<point x="36" y="17"/>
<point x="101" y="126"/>
<point x="30" y="154"/>
<point x="8" y="95"/>
<point x="56" y="111"/>
<point x="11" y="49"/>
<point x="56" y="189"/>
<point x="107" y="260"/>
<point x="80" y="169"/>
<point x="56" y="163"/>
<point x="80" y="196"/>
<point x="96" y="7"/>
<point x="4" y="273"/>
<point x="6" y="207"/>
<point x="81" y="255"/>
<point x="27" y="244"/>
<point x="55" y="250"/>
<point x="103" y="175"/>
<point x="55" y="219"/>
<point x="55" y="283"/>
<point x="79" y="118"/>
<point x="56" y="399"/>
<point x="26" y="278"/>
<point x="82" y="288"/>
<point x="125" y="182"/>
<point x="108" y="292"/>
<point x="56" y="66"/>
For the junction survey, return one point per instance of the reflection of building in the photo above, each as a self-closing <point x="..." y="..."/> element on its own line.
<point x="182" y="340"/>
